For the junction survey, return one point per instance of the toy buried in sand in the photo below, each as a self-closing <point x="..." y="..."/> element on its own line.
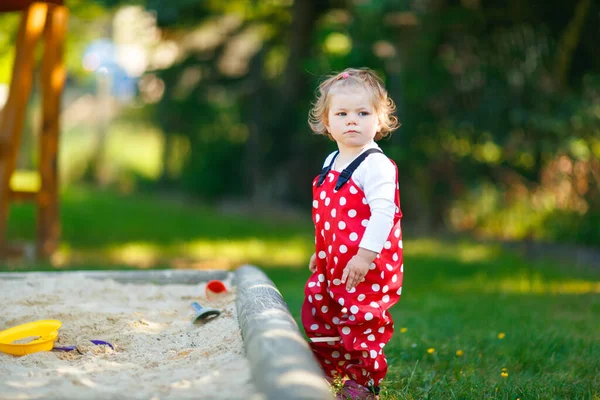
<point x="71" y="348"/>
<point x="204" y="313"/>
<point x="44" y="333"/>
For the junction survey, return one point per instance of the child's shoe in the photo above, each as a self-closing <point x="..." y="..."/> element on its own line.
<point x="354" y="391"/>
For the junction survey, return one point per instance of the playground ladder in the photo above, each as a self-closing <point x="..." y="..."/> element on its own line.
<point x="39" y="19"/>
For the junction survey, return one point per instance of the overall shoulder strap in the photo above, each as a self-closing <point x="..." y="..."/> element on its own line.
<point x="326" y="169"/>
<point x="349" y="170"/>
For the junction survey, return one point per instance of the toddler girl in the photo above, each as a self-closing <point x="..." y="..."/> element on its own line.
<point x="357" y="266"/>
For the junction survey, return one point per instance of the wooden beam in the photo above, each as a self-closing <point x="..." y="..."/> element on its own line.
<point x="4" y="145"/>
<point x="53" y="75"/>
<point x="13" y="115"/>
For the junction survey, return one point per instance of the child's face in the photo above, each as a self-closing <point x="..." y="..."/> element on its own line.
<point x="352" y="120"/>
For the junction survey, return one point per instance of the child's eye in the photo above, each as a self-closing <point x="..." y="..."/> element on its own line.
<point x="363" y="113"/>
<point x="341" y="114"/>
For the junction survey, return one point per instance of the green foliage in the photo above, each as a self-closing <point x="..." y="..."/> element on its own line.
<point x="214" y="170"/>
<point x="572" y="227"/>
<point x="489" y="96"/>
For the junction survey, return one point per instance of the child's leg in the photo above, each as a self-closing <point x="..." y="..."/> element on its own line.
<point x="327" y="354"/>
<point x="368" y="371"/>
<point x="368" y="365"/>
<point x="324" y="338"/>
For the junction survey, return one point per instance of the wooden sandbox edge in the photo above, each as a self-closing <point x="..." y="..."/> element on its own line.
<point x="282" y="364"/>
<point x="163" y="277"/>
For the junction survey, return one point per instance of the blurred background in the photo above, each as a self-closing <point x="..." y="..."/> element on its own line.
<point x="207" y="102"/>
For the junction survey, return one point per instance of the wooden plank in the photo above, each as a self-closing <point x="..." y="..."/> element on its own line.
<point x="53" y="76"/>
<point x="157" y="277"/>
<point x="4" y="145"/>
<point x="12" y="118"/>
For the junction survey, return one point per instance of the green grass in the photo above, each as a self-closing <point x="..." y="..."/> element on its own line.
<point x="100" y="227"/>
<point x="550" y="347"/>
<point x="457" y="296"/>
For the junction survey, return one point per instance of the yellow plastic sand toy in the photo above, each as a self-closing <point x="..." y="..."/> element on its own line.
<point x="43" y="332"/>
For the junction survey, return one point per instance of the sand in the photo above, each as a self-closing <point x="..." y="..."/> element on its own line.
<point x="159" y="353"/>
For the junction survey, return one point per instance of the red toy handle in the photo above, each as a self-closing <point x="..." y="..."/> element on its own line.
<point x="215" y="286"/>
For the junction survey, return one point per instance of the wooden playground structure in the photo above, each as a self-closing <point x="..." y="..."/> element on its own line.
<point x="45" y="20"/>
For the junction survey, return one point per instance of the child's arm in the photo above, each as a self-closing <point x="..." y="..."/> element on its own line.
<point x="379" y="185"/>
<point x="357" y="268"/>
<point x="312" y="263"/>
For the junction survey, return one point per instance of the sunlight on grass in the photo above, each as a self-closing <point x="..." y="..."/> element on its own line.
<point x="265" y="252"/>
<point x="526" y="284"/>
<point x="24" y="180"/>
<point x="135" y="253"/>
<point x="464" y="252"/>
<point x="260" y="251"/>
<point x="223" y="252"/>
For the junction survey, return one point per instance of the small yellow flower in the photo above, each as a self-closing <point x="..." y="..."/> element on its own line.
<point x="431" y="350"/>
<point x="402" y="330"/>
<point x="504" y="369"/>
<point x="504" y="374"/>
<point x="460" y="353"/>
<point x="501" y="335"/>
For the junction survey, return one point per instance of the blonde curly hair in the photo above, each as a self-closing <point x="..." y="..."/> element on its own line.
<point x="354" y="77"/>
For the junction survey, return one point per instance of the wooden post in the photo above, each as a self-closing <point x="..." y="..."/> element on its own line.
<point x="53" y="76"/>
<point x="13" y="115"/>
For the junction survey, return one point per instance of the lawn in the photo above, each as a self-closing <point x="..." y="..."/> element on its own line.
<point x="474" y="322"/>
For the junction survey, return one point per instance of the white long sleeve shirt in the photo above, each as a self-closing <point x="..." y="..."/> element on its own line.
<point x="376" y="176"/>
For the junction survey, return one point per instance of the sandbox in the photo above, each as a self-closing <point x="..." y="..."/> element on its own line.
<point x="252" y="350"/>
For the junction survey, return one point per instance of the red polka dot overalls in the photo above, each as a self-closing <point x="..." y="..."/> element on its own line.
<point x="348" y="329"/>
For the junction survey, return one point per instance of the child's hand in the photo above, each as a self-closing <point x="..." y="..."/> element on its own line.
<point x="312" y="264"/>
<point x="355" y="271"/>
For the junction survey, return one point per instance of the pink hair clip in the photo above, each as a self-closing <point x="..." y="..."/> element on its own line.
<point x="345" y="75"/>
